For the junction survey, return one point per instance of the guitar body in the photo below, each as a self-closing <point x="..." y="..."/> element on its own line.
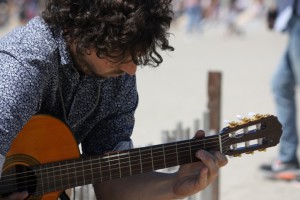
<point x="43" y="139"/>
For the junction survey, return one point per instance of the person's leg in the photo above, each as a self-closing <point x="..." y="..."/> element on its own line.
<point x="283" y="87"/>
<point x="294" y="49"/>
<point x="190" y="20"/>
<point x="284" y="82"/>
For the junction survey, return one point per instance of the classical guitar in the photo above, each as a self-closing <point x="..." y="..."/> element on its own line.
<point x="44" y="158"/>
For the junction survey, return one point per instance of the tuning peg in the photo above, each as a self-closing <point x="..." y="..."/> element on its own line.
<point x="262" y="150"/>
<point x="232" y="124"/>
<point x="239" y="117"/>
<point x="237" y="155"/>
<point x="266" y="115"/>
<point x="251" y="114"/>
<point x="243" y="119"/>
<point x="259" y="116"/>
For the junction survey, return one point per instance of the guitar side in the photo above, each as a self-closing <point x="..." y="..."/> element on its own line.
<point x="43" y="139"/>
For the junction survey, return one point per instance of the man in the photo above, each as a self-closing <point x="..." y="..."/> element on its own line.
<point x="77" y="63"/>
<point x="285" y="80"/>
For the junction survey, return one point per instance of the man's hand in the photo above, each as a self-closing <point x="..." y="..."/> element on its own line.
<point x="191" y="178"/>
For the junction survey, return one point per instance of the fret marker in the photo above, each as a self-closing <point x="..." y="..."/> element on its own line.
<point x="220" y="143"/>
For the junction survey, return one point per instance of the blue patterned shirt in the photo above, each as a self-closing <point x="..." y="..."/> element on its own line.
<point x="38" y="77"/>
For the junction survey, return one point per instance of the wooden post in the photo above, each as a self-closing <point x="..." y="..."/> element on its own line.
<point x="214" y="102"/>
<point x="214" y="107"/>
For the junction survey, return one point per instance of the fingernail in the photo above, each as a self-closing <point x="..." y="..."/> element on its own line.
<point x="199" y="153"/>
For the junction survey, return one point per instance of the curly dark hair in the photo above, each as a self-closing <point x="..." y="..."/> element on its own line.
<point x="114" y="28"/>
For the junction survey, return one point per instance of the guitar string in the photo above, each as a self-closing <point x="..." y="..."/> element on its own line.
<point x="102" y="179"/>
<point x="138" y="165"/>
<point x="132" y="165"/>
<point x="131" y="151"/>
<point x="139" y="156"/>
<point x="205" y="139"/>
<point x="157" y="146"/>
<point x="116" y="164"/>
<point x="78" y="183"/>
<point x="170" y="145"/>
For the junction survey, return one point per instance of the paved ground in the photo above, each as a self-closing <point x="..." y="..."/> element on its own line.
<point x="177" y="91"/>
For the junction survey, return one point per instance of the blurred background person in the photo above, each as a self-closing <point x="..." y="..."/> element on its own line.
<point x="286" y="79"/>
<point x="28" y="9"/>
<point x="4" y="12"/>
<point x="235" y="8"/>
<point x="193" y="13"/>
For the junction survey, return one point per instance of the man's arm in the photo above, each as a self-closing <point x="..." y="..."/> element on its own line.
<point x="2" y="160"/>
<point x="188" y="180"/>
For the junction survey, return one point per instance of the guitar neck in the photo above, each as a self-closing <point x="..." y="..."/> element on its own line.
<point x="86" y="170"/>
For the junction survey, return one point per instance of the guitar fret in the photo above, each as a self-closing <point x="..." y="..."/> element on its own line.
<point x="171" y="159"/>
<point x="60" y="175"/>
<point x="176" y="151"/>
<point x="125" y="165"/>
<point x="135" y="160"/>
<point x="146" y="154"/>
<point x="183" y="155"/>
<point x="40" y="176"/>
<point x="141" y="161"/>
<point x="157" y="157"/>
<point x="105" y="168"/>
<point x="163" y="146"/>
<point x="68" y="174"/>
<point x="64" y="173"/>
<point x="78" y="167"/>
<point x="100" y="169"/>
<point x="91" y="170"/>
<point x="114" y="161"/>
<point x="129" y="157"/>
<point x="109" y="169"/>
<point x="120" y="171"/>
<point x="40" y="172"/>
<point x="72" y="173"/>
<point x="83" y="173"/>
<point x="87" y="170"/>
<point x="152" y="159"/>
<point x="53" y="178"/>
<point x="190" y="147"/>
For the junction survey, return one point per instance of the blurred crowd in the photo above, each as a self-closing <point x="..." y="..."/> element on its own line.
<point x="193" y="14"/>
<point x="235" y="14"/>
<point x="22" y="10"/>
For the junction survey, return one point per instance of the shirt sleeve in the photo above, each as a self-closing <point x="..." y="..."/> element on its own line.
<point x="2" y="160"/>
<point x="20" y="88"/>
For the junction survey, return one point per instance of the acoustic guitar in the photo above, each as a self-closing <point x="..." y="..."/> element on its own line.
<point x="44" y="158"/>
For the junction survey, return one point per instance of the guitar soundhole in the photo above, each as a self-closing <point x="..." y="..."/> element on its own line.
<point x="19" y="178"/>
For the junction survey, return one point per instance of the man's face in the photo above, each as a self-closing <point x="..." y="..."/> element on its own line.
<point x="91" y="64"/>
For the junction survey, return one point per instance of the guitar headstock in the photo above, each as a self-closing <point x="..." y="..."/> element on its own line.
<point x="250" y="134"/>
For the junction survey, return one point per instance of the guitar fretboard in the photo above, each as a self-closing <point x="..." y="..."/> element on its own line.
<point x="86" y="170"/>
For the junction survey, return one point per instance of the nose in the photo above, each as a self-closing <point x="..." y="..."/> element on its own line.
<point x="129" y="68"/>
